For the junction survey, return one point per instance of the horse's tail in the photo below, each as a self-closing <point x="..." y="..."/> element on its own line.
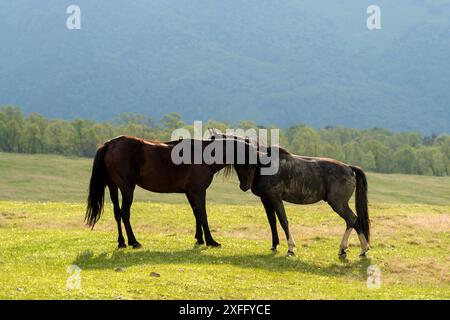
<point x="97" y="186"/>
<point x="361" y="202"/>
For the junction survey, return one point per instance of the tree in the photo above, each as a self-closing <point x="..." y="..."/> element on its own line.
<point x="382" y="155"/>
<point x="60" y="137"/>
<point x="172" y="121"/>
<point x="405" y="160"/>
<point x="31" y="138"/>
<point x="38" y="122"/>
<point x="12" y="128"/>
<point x="305" y="141"/>
<point x="85" y="142"/>
<point x="329" y="150"/>
<point x="353" y="153"/>
<point x="368" y="161"/>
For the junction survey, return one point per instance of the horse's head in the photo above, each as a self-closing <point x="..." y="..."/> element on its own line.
<point x="246" y="175"/>
<point x="246" y="158"/>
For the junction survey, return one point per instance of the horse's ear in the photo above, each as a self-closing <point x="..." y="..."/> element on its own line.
<point x="213" y="132"/>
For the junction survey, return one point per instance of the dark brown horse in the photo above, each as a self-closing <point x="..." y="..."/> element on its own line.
<point x="307" y="180"/>
<point x="126" y="162"/>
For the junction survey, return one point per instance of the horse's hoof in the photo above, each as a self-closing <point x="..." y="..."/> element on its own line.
<point x="342" y="254"/>
<point x="137" y="245"/>
<point x="121" y="246"/>
<point x="200" y="243"/>
<point x="290" y="253"/>
<point x="273" y="248"/>
<point x="213" y="244"/>
<point x="362" y="255"/>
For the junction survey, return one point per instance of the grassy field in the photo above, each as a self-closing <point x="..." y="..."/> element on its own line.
<point x="56" y="178"/>
<point x="42" y="233"/>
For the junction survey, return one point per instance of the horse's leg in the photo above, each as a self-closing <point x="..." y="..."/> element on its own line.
<point x="362" y="239"/>
<point x="199" y="199"/>
<point x="113" y="192"/>
<point x="272" y="222"/>
<point x="351" y="223"/>
<point x="281" y="213"/>
<point x="198" y="225"/>
<point x="350" y="219"/>
<point x="127" y="200"/>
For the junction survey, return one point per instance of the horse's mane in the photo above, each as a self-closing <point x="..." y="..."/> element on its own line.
<point x="281" y="149"/>
<point x="227" y="171"/>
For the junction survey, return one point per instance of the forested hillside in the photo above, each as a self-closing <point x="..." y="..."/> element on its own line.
<point x="377" y="150"/>
<point x="272" y="62"/>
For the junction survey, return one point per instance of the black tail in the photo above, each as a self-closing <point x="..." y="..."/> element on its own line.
<point x="361" y="202"/>
<point x="97" y="186"/>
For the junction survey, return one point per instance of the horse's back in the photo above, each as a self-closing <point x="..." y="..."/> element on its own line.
<point x="306" y="180"/>
<point x="122" y="151"/>
<point x="131" y="160"/>
<point x="339" y="179"/>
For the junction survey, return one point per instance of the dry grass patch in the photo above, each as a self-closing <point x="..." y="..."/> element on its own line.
<point x="427" y="270"/>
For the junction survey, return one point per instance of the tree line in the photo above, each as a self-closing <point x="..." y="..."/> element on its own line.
<point x="376" y="149"/>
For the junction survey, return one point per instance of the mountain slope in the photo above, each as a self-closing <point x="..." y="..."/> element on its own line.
<point x="273" y="62"/>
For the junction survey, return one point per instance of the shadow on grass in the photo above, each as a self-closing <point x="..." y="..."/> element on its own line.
<point x="270" y="262"/>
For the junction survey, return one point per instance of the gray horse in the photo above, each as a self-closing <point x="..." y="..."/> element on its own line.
<point x="307" y="180"/>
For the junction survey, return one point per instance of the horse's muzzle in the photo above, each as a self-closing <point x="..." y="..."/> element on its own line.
<point x="244" y="187"/>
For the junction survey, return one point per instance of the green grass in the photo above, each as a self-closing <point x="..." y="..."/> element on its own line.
<point x="58" y="178"/>
<point x="40" y="240"/>
<point x="42" y="233"/>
